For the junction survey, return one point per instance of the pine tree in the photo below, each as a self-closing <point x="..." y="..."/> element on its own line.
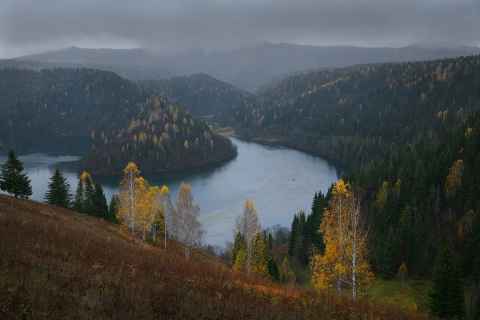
<point x="446" y="299"/>
<point x="12" y="180"/>
<point x="58" y="192"/>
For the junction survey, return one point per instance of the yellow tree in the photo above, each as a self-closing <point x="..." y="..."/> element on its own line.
<point x="145" y="212"/>
<point x="344" y="234"/>
<point x="129" y="198"/>
<point x="260" y="255"/>
<point x="247" y="224"/>
<point x="454" y="179"/>
<point x="240" y="262"/>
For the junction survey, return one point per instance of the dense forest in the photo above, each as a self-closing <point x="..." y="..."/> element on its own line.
<point x="124" y="122"/>
<point x="352" y="114"/>
<point x="200" y="94"/>
<point x="420" y="196"/>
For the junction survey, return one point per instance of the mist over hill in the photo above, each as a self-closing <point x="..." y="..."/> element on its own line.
<point x="247" y="68"/>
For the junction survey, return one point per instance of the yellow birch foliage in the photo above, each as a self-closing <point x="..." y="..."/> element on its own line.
<point x="145" y="207"/>
<point x="343" y="263"/>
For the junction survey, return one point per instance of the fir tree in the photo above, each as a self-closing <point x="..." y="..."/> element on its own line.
<point x="58" y="192"/>
<point x="12" y="180"/>
<point x="447" y="300"/>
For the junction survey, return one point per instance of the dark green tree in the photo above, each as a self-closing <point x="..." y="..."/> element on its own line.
<point x="99" y="202"/>
<point x="389" y="257"/>
<point x="89" y="203"/>
<point x="58" y="192"/>
<point x="273" y="270"/>
<point x="447" y="300"/>
<point x="12" y="180"/>
<point x="113" y="209"/>
<point x="84" y="196"/>
<point x="78" y="201"/>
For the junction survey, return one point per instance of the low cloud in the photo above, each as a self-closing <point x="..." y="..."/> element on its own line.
<point x="30" y="26"/>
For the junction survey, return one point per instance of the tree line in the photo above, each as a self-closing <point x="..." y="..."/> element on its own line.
<point x="355" y="113"/>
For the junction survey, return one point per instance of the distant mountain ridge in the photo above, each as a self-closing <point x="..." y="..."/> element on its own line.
<point x="249" y="68"/>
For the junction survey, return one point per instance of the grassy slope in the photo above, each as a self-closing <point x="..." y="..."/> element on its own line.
<point x="55" y="263"/>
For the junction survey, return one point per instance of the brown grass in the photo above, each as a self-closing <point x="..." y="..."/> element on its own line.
<point x="57" y="264"/>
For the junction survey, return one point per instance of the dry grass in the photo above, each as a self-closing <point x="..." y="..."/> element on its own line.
<point x="57" y="264"/>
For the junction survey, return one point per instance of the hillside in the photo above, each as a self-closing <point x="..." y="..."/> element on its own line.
<point x="250" y="68"/>
<point x="200" y="94"/>
<point x="353" y="114"/>
<point x="56" y="264"/>
<point x="123" y="122"/>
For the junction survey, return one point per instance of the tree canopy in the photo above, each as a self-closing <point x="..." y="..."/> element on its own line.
<point x="58" y="192"/>
<point x="12" y="180"/>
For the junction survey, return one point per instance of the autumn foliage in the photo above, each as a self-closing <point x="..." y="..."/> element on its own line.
<point x="58" y="264"/>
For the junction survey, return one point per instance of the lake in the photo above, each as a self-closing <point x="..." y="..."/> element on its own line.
<point x="280" y="181"/>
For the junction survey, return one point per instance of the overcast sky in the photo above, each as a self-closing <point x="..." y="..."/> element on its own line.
<point x="33" y="26"/>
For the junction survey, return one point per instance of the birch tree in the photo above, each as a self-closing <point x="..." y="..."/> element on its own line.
<point x="168" y="209"/>
<point x="186" y="227"/>
<point x="129" y="198"/>
<point x="344" y="232"/>
<point x="145" y="212"/>
<point x="356" y="263"/>
<point x="247" y="224"/>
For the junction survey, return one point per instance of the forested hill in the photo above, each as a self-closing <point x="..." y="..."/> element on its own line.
<point x="352" y="114"/>
<point x="199" y="93"/>
<point x="124" y="122"/>
<point x="421" y="196"/>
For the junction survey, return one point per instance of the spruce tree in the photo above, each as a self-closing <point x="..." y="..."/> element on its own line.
<point x="78" y="202"/>
<point x="113" y="209"/>
<point x="447" y="299"/>
<point x="12" y="180"/>
<point x="99" y="202"/>
<point x="58" y="192"/>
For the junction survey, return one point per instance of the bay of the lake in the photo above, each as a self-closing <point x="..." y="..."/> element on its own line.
<point x="280" y="181"/>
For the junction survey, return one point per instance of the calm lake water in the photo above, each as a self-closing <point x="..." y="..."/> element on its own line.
<point x="280" y="181"/>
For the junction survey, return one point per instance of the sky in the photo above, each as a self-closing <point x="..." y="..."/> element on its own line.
<point x="169" y="26"/>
